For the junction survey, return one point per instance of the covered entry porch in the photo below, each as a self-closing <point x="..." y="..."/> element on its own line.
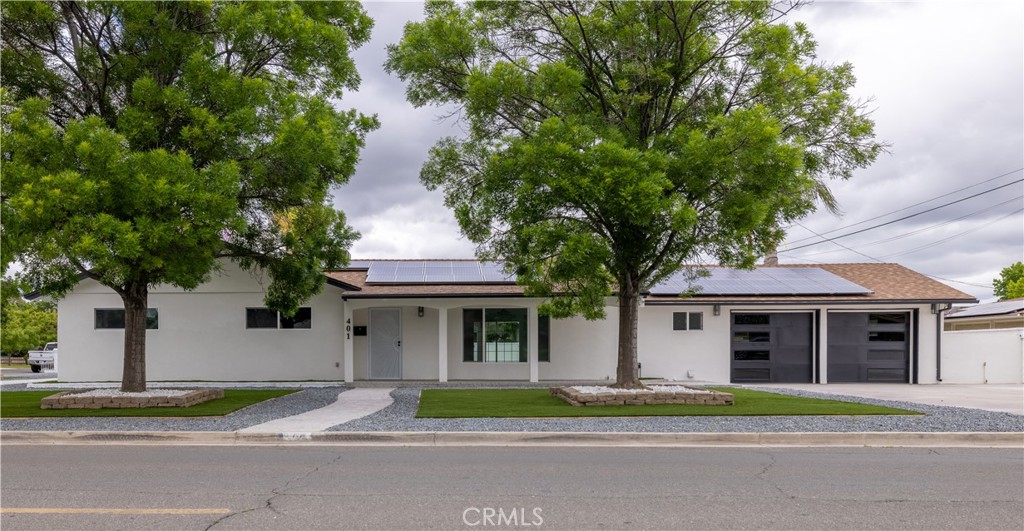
<point x="442" y="339"/>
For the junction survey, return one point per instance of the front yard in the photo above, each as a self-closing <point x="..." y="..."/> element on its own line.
<point x="525" y="403"/>
<point x="25" y="404"/>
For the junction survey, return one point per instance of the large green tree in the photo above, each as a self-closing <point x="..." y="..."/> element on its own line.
<point x="145" y="141"/>
<point x="610" y="143"/>
<point x="1010" y="284"/>
<point x="24" y="325"/>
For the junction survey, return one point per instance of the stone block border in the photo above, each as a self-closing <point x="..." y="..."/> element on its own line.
<point x="73" y="400"/>
<point x="651" y="395"/>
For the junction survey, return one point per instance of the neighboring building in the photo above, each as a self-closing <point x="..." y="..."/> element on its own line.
<point x="442" y="320"/>
<point x="1003" y="314"/>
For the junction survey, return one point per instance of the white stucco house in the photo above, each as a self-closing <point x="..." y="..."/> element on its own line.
<point x="449" y="320"/>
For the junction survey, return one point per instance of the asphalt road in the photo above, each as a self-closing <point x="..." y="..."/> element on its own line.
<point x="194" y="487"/>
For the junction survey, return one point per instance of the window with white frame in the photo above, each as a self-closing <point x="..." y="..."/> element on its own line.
<point x="687" y="320"/>
<point x="257" y="318"/>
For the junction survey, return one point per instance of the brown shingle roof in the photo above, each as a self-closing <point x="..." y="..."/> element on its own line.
<point x="888" y="283"/>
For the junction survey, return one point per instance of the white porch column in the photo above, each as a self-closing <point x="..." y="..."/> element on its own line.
<point x="347" y="355"/>
<point x="823" y="346"/>
<point x="533" y="335"/>
<point x="442" y="344"/>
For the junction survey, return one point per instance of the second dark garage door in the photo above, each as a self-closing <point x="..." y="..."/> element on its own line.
<point x="868" y="347"/>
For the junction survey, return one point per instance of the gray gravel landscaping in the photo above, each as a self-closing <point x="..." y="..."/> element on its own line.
<point x="401" y="416"/>
<point x="284" y="406"/>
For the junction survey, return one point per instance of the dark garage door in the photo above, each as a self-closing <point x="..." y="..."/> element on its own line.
<point x="868" y="347"/>
<point x="771" y="347"/>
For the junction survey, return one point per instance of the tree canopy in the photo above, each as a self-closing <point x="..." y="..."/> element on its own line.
<point x="611" y="143"/>
<point x="144" y="141"/>
<point x="1010" y="284"/>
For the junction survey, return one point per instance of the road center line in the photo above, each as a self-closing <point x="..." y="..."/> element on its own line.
<point x="100" y="510"/>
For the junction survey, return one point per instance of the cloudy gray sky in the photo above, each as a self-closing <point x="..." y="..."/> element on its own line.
<point x="946" y="81"/>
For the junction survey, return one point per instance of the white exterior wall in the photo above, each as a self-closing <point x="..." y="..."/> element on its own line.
<point x="202" y="335"/>
<point x="582" y="349"/>
<point x="983" y="356"/>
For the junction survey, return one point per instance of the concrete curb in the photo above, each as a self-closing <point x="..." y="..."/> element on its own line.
<point x="531" y="439"/>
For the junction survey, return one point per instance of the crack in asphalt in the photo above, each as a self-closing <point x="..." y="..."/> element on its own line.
<point x="276" y="493"/>
<point x="762" y="475"/>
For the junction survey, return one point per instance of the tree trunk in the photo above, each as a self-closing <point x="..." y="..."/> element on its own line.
<point x="629" y="311"/>
<point x="136" y="299"/>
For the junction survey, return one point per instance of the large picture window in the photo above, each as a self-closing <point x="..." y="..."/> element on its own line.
<point x="113" y="318"/>
<point x="499" y="335"/>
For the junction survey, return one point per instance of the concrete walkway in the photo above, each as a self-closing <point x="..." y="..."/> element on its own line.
<point x="1006" y="398"/>
<point x="351" y="405"/>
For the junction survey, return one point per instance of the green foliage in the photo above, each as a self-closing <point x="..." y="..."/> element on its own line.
<point x="1010" y="284"/>
<point x="24" y="326"/>
<point x="25" y="404"/>
<point x="143" y="141"/>
<point x="610" y="143"/>
<point x="538" y="403"/>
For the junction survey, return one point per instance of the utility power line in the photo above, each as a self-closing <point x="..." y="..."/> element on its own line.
<point x="911" y="233"/>
<point x="911" y="206"/>
<point x="990" y="190"/>
<point x="968" y="231"/>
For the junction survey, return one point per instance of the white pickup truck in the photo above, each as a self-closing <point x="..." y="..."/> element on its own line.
<point x="40" y="359"/>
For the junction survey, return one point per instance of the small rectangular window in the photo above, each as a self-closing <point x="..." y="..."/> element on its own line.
<point x="752" y="355"/>
<point x="687" y="320"/>
<point x="260" y="318"/>
<point x="751" y="318"/>
<point x="109" y="319"/>
<point x="752" y="337"/>
<point x="152" y="319"/>
<point x="887" y="318"/>
<point x="265" y="318"/>
<point x="886" y="336"/>
<point x="113" y="318"/>
<point x="303" y="318"/>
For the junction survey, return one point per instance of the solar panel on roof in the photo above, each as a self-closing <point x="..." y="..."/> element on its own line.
<point x="720" y="280"/>
<point x="764" y="281"/>
<point x="435" y="272"/>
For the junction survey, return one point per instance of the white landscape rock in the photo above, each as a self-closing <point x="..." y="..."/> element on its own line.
<point x="151" y="393"/>
<point x="594" y="389"/>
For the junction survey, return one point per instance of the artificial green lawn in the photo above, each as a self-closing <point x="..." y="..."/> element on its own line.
<point x="21" y="404"/>
<point x="478" y="403"/>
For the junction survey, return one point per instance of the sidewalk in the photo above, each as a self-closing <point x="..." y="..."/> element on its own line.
<point x="351" y="405"/>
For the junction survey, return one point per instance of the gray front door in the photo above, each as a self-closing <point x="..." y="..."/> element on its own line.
<point x="869" y="347"/>
<point x="385" y="344"/>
